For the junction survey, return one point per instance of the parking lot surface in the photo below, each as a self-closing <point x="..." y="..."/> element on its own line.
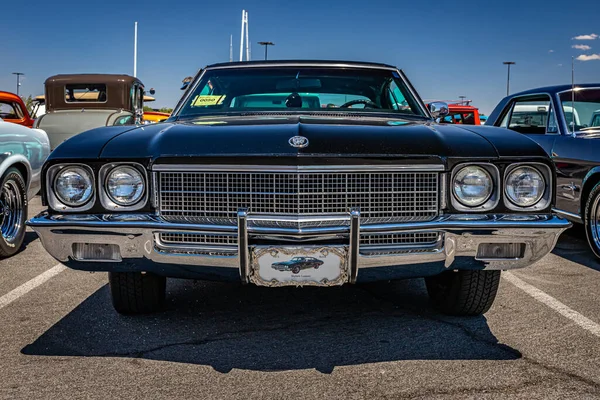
<point x="61" y="338"/>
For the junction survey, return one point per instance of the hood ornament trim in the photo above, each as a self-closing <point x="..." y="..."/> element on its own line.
<point x="298" y="141"/>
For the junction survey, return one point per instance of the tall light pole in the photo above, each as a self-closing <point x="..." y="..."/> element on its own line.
<point x="462" y="99"/>
<point x="18" y="74"/>
<point x="508" y="63"/>
<point x="266" y="44"/>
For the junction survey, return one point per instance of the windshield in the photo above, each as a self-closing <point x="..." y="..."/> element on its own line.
<point x="300" y="89"/>
<point x="584" y="112"/>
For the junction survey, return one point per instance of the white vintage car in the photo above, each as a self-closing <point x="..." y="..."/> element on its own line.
<point x="22" y="154"/>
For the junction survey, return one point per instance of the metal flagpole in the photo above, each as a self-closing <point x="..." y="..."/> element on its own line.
<point x="247" y="40"/>
<point x="135" y="51"/>
<point x="242" y="37"/>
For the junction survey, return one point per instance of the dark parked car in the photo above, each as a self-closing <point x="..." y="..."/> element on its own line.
<point x="566" y="124"/>
<point x="373" y="185"/>
<point x="297" y="264"/>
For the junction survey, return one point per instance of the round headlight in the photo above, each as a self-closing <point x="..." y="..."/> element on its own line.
<point x="525" y="186"/>
<point x="473" y="186"/>
<point x="73" y="186"/>
<point x="125" y="185"/>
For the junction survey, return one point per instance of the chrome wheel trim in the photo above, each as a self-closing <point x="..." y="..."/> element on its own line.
<point x="11" y="202"/>
<point x="595" y="222"/>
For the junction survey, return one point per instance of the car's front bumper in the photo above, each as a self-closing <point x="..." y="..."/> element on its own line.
<point x="139" y="248"/>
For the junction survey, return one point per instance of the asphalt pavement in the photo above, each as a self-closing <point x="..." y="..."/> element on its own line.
<point x="60" y="337"/>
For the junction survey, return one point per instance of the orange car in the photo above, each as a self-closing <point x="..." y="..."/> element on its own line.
<point x="152" y="117"/>
<point x="462" y="114"/>
<point x="12" y="109"/>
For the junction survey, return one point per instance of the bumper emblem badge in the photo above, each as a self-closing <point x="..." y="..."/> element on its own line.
<point x="298" y="141"/>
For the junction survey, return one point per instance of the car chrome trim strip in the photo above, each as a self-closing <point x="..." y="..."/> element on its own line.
<point x="240" y="168"/>
<point x="354" y="244"/>
<point x="569" y="215"/>
<point x="243" y="250"/>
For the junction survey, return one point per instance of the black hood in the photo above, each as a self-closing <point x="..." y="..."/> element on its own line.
<point x="327" y="137"/>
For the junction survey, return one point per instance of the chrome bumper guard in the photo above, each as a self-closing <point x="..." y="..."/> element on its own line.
<point x="457" y="246"/>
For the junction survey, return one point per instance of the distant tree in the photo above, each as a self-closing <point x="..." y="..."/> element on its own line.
<point x="28" y="102"/>
<point x="146" y="108"/>
<point x="166" y="110"/>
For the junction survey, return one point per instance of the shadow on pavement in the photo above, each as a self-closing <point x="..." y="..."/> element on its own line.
<point x="573" y="246"/>
<point x="231" y="326"/>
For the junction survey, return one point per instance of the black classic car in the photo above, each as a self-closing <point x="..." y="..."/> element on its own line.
<point x="262" y="158"/>
<point x="566" y="123"/>
<point x="297" y="264"/>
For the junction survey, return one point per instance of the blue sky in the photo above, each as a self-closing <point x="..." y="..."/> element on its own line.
<point x="446" y="52"/>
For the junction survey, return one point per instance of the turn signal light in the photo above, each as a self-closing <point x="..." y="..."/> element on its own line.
<point x="96" y="252"/>
<point x="500" y="251"/>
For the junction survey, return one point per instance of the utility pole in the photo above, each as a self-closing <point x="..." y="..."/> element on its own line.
<point x="18" y="74"/>
<point x="508" y="64"/>
<point x="266" y="44"/>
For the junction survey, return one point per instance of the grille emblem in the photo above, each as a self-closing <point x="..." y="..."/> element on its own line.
<point x="298" y="141"/>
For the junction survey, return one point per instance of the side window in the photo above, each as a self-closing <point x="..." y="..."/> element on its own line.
<point x="396" y="98"/>
<point x="552" y="125"/>
<point x="530" y="115"/>
<point x="8" y="111"/>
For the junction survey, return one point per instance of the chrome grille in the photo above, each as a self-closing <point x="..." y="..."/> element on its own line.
<point x="197" y="196"/>
<point x="391" y="239"/>
<point x="169" y="238"/>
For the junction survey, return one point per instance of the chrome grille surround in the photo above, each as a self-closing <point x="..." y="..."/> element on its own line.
<point x="205" y="194"/>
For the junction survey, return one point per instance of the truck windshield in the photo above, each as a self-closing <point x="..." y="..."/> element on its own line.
<point x="582" y="114"/>
<point x="300" y="89"/>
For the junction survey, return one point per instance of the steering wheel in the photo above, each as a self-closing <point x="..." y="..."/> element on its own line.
<point x="367" y="103"/>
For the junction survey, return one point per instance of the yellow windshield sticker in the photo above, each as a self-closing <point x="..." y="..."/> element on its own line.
<point x="201" y="101"/>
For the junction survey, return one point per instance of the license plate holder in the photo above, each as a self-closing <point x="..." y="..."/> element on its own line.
<point x="299" y="265"/>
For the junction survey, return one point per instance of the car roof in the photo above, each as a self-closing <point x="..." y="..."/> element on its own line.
<point x="555" y="89"/>
<point x="292" y="63"/>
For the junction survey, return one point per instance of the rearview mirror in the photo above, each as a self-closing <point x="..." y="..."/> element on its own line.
<point x="152" y="91"/>
<point x="298" y="83"/>
<point x="438" y="109"/>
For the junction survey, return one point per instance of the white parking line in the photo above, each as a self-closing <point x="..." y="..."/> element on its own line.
<point x="30" y="285"/>
<point x="554" y="304"/>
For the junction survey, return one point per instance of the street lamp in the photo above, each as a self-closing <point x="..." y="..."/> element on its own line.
<point x="266" y="44"/>
<point x="508" y="63"/>
<point x="18" y="74"/>
<point x="462" y="99"/>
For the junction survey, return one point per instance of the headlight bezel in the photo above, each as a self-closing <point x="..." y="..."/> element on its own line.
<point x="55" y="202"/>
<point x="492" y="200"/>
<point x="106" y="199"/>
<point x="546" y="198"/>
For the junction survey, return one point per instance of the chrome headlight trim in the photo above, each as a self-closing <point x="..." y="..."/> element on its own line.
<point x="106" y="199"/>
<point x="54" y="201"/>
<point x="545" y="200"/>
<point x="492" y="200"/>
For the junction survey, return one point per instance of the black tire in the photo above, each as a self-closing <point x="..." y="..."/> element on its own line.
<point x="592" y="220"/>
<point x="137" y="293"/>
<point x="13" y="209"/>
<point x="463" y="292"/>
<point x="296" y="270"/>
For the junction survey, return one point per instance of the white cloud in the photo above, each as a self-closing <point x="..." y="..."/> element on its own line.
<point x="585" y="57"/>
<point x="560" y="65"/>
<point x="550" y="51"/>
<point x="591" y="36"/>
<point x="581" y="47"/>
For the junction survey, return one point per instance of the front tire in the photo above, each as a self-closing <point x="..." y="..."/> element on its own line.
<point x="137" y="293"/>
<point x="13" y="208"/>
<point x="592" y="220"/>
<point x="464" y="293"/>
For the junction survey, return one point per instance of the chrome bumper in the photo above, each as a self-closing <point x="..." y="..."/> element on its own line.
<point x="137" y="237"/>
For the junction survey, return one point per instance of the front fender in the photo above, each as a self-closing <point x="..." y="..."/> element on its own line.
<point x="33" y="177"/>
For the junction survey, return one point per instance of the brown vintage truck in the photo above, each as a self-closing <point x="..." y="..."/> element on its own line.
<point x="79" y="102"/>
